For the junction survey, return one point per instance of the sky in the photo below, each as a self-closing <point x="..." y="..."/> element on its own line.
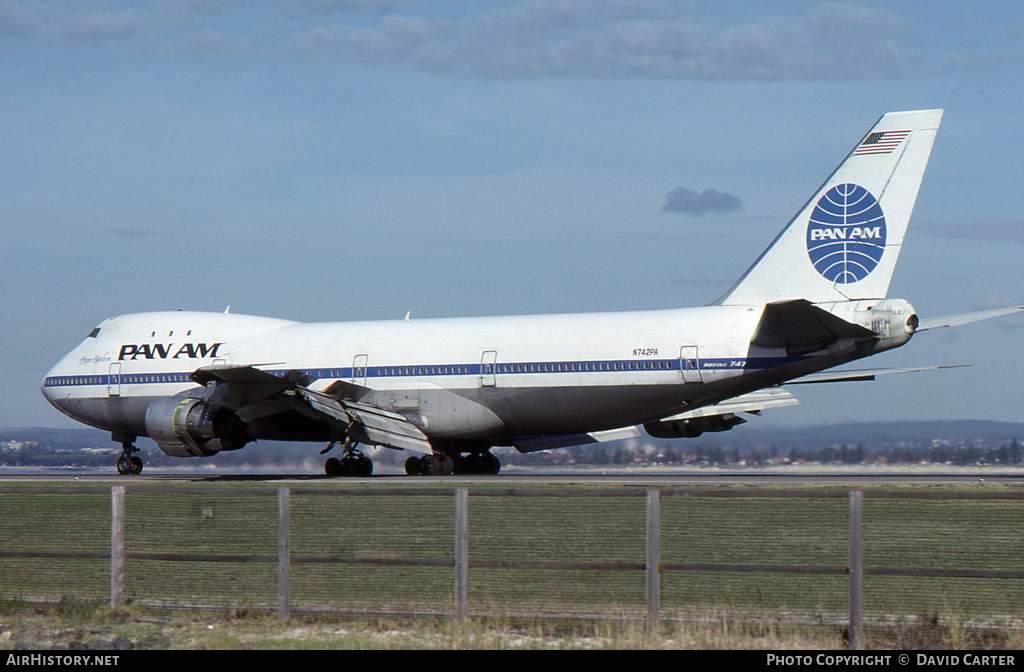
<point x="332" y="160"/>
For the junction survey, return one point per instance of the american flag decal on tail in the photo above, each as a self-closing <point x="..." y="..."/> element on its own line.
<point x="881" y="142"/>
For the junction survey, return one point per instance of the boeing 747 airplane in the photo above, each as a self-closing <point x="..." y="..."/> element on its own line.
<point x="451" y="389"/>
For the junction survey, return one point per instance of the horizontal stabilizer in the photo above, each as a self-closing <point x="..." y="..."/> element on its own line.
<point x="966" y="318"/>
<point x="801" y="327"/>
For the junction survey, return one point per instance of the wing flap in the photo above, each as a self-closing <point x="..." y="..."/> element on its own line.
<point x="369" y="424"/>
<point x="392" y="430"/>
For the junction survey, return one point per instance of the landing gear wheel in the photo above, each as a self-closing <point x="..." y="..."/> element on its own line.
<point x="362" y="467"/>
<point x="128" y="464"/>
<point x="480" y="464"/>
<point x="430" y="465"/>
<point x="352" y="463"/>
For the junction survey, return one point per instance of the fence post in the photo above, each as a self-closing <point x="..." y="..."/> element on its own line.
<point x="116" y="545"/>
<point x="652" y="561"/>
<point x="856" y="569"/>
<point x="461" y="552"/>
<point x="283" y="551"/>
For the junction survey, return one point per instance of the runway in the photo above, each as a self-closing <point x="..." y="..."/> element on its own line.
<point x="636" y="477"/>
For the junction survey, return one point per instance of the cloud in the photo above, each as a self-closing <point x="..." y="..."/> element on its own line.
<point x="531" y="38"/>
<point x="990" y="228"/>
<point x="620" y="39"/>
<point x="16" y="19"/>
<point x="1013" y="322"/>
<point x="105" y="26"/>
<point x="327" y="6"/>
<point x="136" y="233"/>
<point x="689" y="201"/>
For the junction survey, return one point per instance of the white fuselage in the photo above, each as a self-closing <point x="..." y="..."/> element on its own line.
<point x="467" y="379"/>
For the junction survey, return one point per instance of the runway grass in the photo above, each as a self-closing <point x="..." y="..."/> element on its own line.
<point x="777" y="534"/>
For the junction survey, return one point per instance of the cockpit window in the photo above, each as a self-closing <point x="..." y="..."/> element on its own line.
<point x="94" y="332"/>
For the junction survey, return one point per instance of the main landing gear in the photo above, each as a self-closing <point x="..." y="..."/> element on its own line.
<point x="351" y="463"/>
<point x="128" y="464"/>
<point x="483" y="463"/>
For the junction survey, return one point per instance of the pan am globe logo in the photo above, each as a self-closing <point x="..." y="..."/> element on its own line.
<point x="846" y="234"/>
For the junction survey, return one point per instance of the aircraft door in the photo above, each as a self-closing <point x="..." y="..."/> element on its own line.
<point x="114" y="380"/>
<point x="488" y="368"/>
<point x="689" y="364"/>
<point x="359" y="370"/>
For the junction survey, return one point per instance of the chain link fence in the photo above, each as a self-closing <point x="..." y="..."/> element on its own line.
<point x="875" y="556"/>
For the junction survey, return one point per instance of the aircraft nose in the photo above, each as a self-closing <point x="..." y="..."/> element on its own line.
<point x="51" y="387"/>
<point x="48" y="388"/>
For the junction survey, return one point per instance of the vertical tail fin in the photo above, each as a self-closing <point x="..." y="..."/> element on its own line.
<point x="844" y="242"/>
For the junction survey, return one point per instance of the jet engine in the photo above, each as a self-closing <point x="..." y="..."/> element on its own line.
<point x="691" y="428"/>
<point x="187" y="427"/>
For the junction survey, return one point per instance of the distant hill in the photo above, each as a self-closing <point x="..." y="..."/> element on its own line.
<point x="750" y="435"/>
<point x="62" y="439"/>
<point x="908" y="431"/>
<point x="961" y="441"/>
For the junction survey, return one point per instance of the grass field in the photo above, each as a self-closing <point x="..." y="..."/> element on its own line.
<point x="79" y="624"/>
<point x="801" y="533"/>
<point x="70" y="624"/>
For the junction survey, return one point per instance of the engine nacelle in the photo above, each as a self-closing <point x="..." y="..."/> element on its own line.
<point x="691" y="428"/>
<point x="186" y="427"/>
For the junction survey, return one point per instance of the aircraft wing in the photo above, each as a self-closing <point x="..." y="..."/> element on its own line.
<point x="850" y="375"/>
<point x="531" y="444"/>
<point x="777" y="397"/>
<point x="238" y="386"/>
<point x="752" y="402"/>
<point x="722" y="416"/>
<point x="966" y="318"/>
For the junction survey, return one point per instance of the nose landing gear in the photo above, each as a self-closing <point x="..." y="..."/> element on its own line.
<point x="128" y="464"/>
